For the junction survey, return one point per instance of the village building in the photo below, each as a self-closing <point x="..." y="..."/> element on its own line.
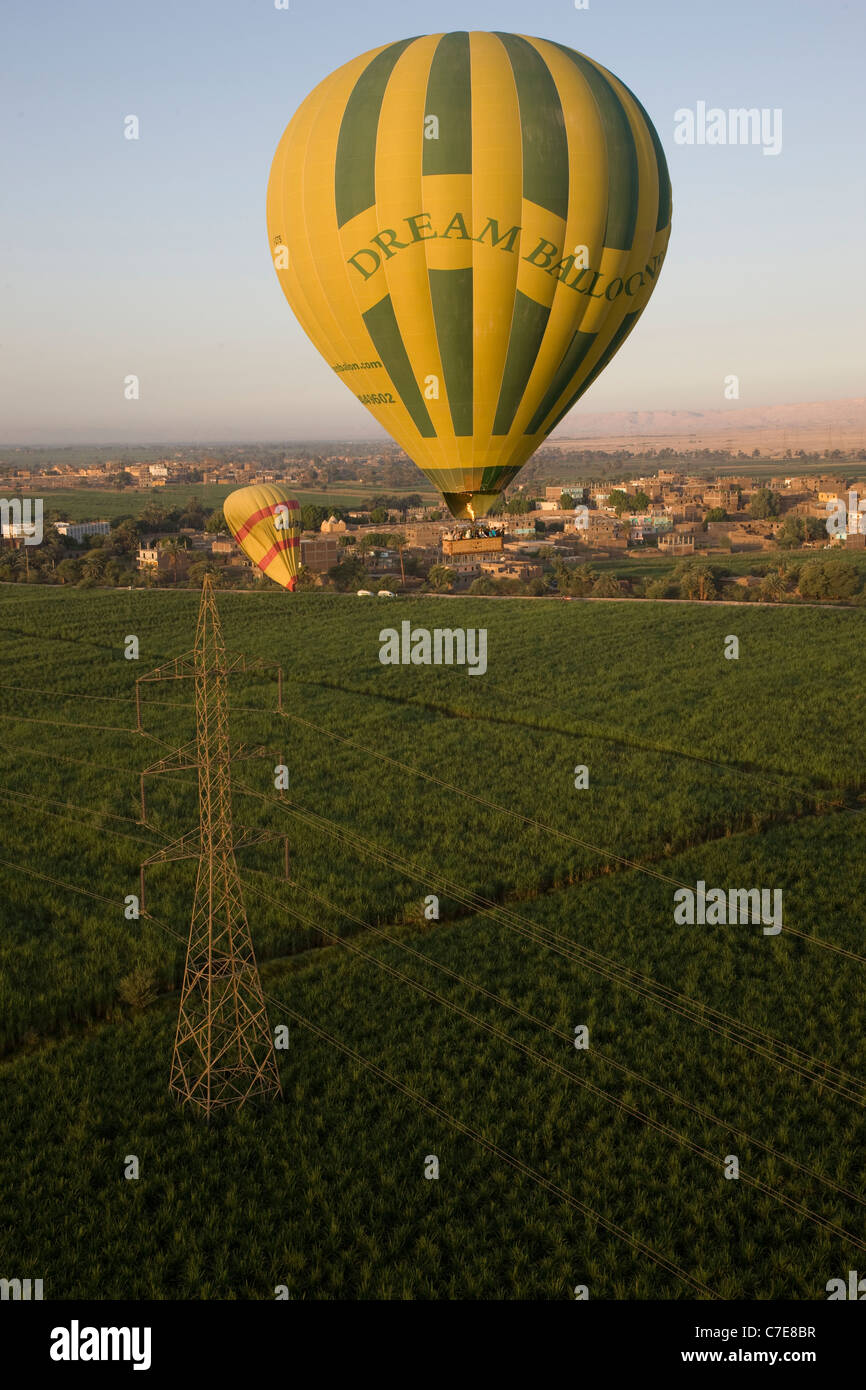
<point x="77" y="530"/>
<point x="320" y="553"/>
<point x="512" y="568"/>
<point x="677" y="543"/>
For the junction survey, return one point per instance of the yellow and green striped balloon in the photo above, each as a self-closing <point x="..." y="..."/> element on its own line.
<point x="468" y="226"/>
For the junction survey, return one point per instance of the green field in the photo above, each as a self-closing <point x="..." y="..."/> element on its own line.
<point x="649" y="564"/>
<point x="96" y="504"/>
<point x="556" y="909"/>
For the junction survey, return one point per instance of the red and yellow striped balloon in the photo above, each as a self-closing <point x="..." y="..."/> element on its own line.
<point x="266" y="523"/>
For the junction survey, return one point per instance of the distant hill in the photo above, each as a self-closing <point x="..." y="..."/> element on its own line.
<point x="774" y="429"/>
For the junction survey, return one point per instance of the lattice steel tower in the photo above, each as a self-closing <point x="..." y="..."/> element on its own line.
<point x="223" y="1048"/>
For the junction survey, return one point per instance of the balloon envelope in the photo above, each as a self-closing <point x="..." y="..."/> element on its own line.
<point x="468" y="226"/>
<point x="266" y="523"/>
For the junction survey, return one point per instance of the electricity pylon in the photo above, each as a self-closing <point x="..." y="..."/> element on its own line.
<point x="223" y="1047"/>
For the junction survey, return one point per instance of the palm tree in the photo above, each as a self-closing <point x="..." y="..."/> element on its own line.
<point x="13" y="562"/>
<point x="398" y="540"/>
<point x="441" y="577"/>
<point x="174" y="548"/>
<point x="706" y="585"/>
<point x="773" y="586"/>
<point x="585" y="576"/>
<point x="607" y="586"/>
<point x="203" y="567"/>
<point x="306" y="578"/>
<point x="94" y="564"/>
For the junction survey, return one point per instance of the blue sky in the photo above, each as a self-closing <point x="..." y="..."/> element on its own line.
<point x="151" y="257"/>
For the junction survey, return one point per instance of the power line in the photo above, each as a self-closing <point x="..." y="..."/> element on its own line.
<point x="498" y="807"/>
<point x="533" y="822"/>
<point x="531" y="1052"/>
<point x="643" y="985"/>
<point x="661" y="1260"/>
<point x="59" y="883"/>
<point x="45" y="802"/>
<point x="418" y="772"/>
<point x="570" y="1076"/>
<point x="586" y="844"/>
<point x="501" y="1153"/>
<point x="541" y="826"/>
<point x="29" y="753"/>
<point x="556" y="1032"/>
<point x="64" y="695"/>
<point x="68" y="724"/>
<point x="603" y="732"/>
<point x="403" y="946"/>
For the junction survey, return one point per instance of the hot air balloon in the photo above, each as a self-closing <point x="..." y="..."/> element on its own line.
<point x="468" y="226"/>
<point x="266" y="523"/>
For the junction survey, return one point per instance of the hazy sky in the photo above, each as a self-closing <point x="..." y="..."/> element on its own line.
<point x="151" y="257"/>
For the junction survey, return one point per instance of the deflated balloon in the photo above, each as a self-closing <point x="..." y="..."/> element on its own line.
<point x="468" y="226"/>
<point x="266" y="523"/>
